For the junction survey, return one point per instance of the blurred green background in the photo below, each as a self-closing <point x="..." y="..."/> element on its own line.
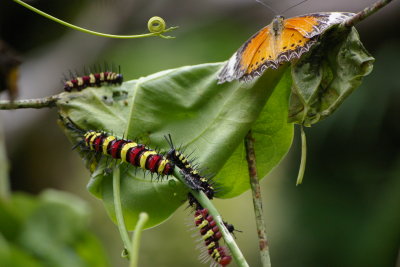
<point x="346" y="213"/>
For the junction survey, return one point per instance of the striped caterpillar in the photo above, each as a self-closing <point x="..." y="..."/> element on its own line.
<point x="93" y="80"/>
<point x="126" y="150"/>
<point x="211" y="235"/>
<point x="208" y="228"/>
<point x="192" y="176"/>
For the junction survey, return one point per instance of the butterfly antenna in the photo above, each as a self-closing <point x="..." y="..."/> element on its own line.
<point x="289" y="8"/>
<point x="268" y="6"/>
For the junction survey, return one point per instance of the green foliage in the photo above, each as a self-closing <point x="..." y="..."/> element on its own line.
<point x="326" y="76"/>
<point x="211" y="120"/>
<point x="50" y="230"/>
<point x="207" y="118"/>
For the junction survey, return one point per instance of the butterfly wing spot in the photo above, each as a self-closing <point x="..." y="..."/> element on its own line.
<point x="259" y="59"/>
<point x="255" y="50"/>
<point x="285" y="50"/>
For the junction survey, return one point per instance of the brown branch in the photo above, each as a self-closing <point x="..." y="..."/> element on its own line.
<point x="4" y="168"/>
<point x="368" y="11"/>
<point x="257" y="201"/>
<point x="47" y="102"/>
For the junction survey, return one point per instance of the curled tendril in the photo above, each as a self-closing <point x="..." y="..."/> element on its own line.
<point x="156" y="25"/>
<point x="125" y="253"/>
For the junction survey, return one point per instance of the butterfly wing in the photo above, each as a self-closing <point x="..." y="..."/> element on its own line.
<point x="262" y="51"/>
<point x="240" y="62"/>
<point x="315" y="24"/>
<point x="268" y="50"/>
<point x="288" y="45"/>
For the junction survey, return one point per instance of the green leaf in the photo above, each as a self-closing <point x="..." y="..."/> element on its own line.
<point x="325" y="77"/>
<point x="51" y="230"/>
<point x="109" y="108"/>
<point x="208" y="119"/>
<point x="12" y="256"/>
<point x="273" y="138"/>
<point x="105" y="108"/>
<point x="211" y="120"/>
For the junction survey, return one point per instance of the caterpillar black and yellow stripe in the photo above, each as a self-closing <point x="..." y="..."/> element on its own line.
<point x="128" y="151"/>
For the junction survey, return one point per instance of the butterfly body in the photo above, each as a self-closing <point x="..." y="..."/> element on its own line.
<point x="281" y="41"/>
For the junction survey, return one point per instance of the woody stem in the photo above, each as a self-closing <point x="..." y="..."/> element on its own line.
<point x="257" y="201"/>
<point x="368" y="11"/>
<point x="4" y="167"/>
<point x="46" y="102"/>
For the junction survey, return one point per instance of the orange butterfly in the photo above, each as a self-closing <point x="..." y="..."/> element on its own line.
<point x="279" y="42"/>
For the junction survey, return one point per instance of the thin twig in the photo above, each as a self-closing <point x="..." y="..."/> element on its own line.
<point x="206" y="203"/>
<point x="368" y="11"/>
<point x="46" y="102"/>
<point x="4" y="167"/>
<point x="257" y="201"/>
<point x="134" y="253"/>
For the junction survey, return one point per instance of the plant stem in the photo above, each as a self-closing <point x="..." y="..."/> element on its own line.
<point x="368" y="11"/>
<point x="134" y="253"/>
<point x="46" y="102"/>
<point x="303" y="156"/>
<point x="257" y="201"/>
<point x="118" y="210"/>
<point x="93" y="32"/>
<point x="4" y="184"/>
<point x="206" y="203"/>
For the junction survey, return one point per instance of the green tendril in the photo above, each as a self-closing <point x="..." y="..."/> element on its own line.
<point x="156" y="25"/>
<point x="152" y="33"/>
<point x="303" y="156"/>
<point x="119" y="214"/>
<point x="143" y="217"/>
